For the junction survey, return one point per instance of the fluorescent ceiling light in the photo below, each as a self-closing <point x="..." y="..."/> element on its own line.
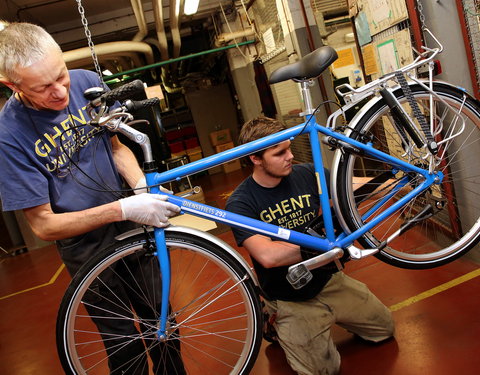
<point x="190" y="7"/>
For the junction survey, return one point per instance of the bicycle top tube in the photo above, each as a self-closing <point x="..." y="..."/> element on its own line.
<point x="260" y="144"/>
<point x="228" y="155"/>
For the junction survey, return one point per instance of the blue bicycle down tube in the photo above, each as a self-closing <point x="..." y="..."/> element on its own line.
<point x="249" y="224"/>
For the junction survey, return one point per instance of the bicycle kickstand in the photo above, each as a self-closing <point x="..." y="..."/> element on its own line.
<point x="356" y="253"/>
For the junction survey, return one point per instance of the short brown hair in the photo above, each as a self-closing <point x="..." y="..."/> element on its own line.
<point x="258" y="128"/>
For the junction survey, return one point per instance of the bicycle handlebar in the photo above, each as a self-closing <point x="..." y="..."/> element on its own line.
<point x="120" y="93"/>
<point x="100" y="101"/>
<point x="133" y="106"/>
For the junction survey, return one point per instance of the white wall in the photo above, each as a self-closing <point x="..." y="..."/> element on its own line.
<point x="442" y="19"/>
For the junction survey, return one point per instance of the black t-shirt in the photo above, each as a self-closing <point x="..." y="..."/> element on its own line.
<point x="292" y="204"/>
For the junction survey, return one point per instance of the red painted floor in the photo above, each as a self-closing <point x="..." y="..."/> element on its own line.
<point x="439" y="334"/>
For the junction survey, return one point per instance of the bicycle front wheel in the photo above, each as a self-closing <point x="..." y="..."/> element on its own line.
<point x="454" y="227"/>
<point x="108" y="318"/>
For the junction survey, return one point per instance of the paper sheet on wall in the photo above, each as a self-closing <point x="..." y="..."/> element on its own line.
<point x="345" y="58"/>
<point x="381" y="10"/>
<point x="269" y="40"/>
<point x="388" y="56"/>
<point x="388" y="53"/>
<point x="369" y="60"/>
<point x="361" y="26"/>
<point x="382" y="14"/>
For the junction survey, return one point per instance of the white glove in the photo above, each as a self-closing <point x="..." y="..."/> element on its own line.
<point x="141" y="187"/>
<point x="148" y="209"/>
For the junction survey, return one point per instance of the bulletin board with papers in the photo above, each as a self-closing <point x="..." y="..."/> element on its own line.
<point x="383" y="34"/>
<point x="382" y="14"/>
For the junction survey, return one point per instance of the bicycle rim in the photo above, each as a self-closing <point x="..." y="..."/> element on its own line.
<point x="214" y="315"/>
<point x="454" y="227"/>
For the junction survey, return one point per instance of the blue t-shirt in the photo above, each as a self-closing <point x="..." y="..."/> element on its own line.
<point x="33" y="166"/>
<point x="34" y="169"/>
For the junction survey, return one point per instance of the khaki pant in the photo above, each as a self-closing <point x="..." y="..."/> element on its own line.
<point x="303" y="328"/>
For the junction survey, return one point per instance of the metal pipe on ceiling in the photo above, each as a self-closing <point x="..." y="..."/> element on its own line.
<point x="160" y="29"/>
<point x="140" y="17"/>
<point x="110" y="49"/>
<point x="175" y="27"/>
<point x="162" y="63"/>
<point x="223" y="38"/>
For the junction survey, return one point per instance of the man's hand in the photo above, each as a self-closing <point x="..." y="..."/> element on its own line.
<point x="148" y="209"/>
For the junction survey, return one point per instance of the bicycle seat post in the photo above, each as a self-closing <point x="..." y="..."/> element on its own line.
<point x="307" y="98"/>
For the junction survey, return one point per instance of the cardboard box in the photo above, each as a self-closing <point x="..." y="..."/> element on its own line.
<point x="194" y="153"/>
<point x="194" y="156"/>
<point x="178" y="154"/>
<point x="223" y="147"/>
<point x="231" y="165"/>
<point x="194" y="150"/>
<point x="220" y="137"/>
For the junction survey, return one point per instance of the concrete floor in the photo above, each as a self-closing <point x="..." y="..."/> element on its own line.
<point x="436" y="313"/>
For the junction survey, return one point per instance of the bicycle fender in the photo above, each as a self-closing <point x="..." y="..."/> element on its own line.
<point x="353" y="123"/>
<point x="397" y="89"/>
<point x="204" y="235"/>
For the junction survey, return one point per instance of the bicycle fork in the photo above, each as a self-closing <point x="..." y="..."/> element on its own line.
<point x="164" y="262"/>
<point x="162" y="256"/>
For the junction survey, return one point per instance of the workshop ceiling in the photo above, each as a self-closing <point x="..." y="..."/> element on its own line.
<point x="109" y="20"/>
<point x="114" y="22"/>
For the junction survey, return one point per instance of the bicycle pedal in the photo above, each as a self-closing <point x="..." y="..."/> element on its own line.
<point x="299" y="276"/>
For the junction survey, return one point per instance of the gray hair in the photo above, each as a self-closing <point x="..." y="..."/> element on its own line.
<point x="21" y="45"/>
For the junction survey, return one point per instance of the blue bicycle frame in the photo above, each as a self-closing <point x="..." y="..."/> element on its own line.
<point x="331" y="241"/>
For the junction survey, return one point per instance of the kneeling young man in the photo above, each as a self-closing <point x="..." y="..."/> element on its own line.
<point x="284" y="194"/>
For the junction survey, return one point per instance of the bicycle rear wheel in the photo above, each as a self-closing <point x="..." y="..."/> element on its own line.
<point x="214" y="324"/>
<point x="454" y="227"/>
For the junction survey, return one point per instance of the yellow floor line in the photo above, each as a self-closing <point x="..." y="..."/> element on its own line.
<point x="398" y="306"/>
<point x="52" y="280"/>
<point x="436" y="290"/>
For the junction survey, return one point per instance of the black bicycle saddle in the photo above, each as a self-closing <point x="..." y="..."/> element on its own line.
<point x="309" y="66"/>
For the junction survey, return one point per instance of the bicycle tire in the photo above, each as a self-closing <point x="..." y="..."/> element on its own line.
<point x="454" y="228"/>
<point x="215" y="309"/>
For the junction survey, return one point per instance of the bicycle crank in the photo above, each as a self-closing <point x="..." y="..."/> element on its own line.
<point x="299" y="274"/>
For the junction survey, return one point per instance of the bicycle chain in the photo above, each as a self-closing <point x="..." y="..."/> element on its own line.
<point x="432" y="146"/>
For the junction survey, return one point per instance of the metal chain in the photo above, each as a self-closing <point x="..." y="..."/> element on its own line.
<point x="421" y="15"/>
<point x="88" y="34"/>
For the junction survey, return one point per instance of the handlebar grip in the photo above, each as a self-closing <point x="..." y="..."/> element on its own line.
<point x="120" y="93"/>
<point x="133" y="106"/>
